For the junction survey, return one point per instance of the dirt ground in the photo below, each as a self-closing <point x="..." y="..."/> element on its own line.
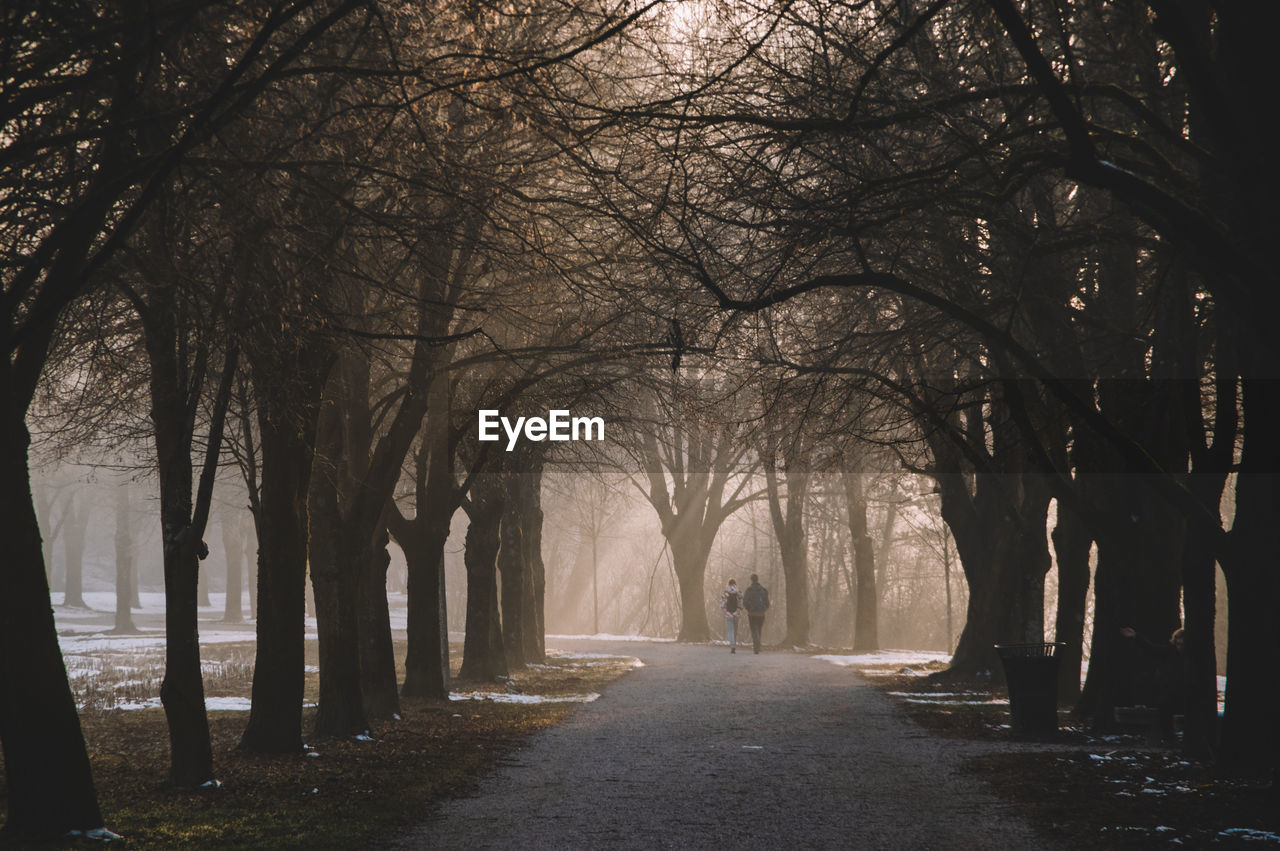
<point x="1110" y="791"/>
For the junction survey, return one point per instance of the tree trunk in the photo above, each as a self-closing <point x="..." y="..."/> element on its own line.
<point x="1249" y="736"/>
<point x="426" y="665"/>
<point x="135" y="586"/>
<point x="700" y="463"/>
<point x="183" y="519"/>
<point x="1004" y="554"/>
<point x="689" y="552"/>
<point x="178" y="358"/>
<point x="1211" y="463"/>
<point x="125" y="560"/>
<point x="287" y="434"/>
<point x="47" y="777"/>
<point x="511" y="568"/>
<point x="377" y="653"/>
<point x="483" y="658"/>
<point x="793" y="542"/>
<point x="795" y="572"/>
<point x="233" y="549"/>
<point x="362" y="533"/>
<point x="1136" y="584"/>
<point x="423" y="538"/>
<point x="535" y="630"/>
<point x="341" y="705"/>
<point x="990" y="617"/>
<point x="866" y="634"/>
<point x="335" y="582"/>
<point x="249" y="548"/>
<point x="339" y="557"/>
<point x="887" y="537"/>
<point x="997" y="509"/>
<point x="73" y="534"/>
<point x="182" y="690"/>
<point x="365" y="476"/>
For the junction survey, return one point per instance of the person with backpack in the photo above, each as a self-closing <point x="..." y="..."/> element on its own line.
<point x="731" y="604"/>
<point x="756" y="602"/>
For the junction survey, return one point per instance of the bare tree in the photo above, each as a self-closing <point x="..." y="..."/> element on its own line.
<point x="696" y="471"/>
<point x="77" y="175"/>
<point x="126" y="554"/>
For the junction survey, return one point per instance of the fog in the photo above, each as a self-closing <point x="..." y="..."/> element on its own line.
<point x="608" y="566"/>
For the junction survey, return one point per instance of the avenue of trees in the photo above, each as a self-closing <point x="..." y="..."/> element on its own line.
<point x="817" y="264"/>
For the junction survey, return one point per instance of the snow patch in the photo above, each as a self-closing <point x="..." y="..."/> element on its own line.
<point x="607" y="636"/>
<point x="228" y="704"/>
<point x="503" y="697"/>
<point x="630" y="661"/>
<point x="130" y="705"/>
<point x="1249" y="834"/>
<point x="215" y="704"/>
<point x="97" y="834"/>
<point x="995" y="701"/>
<point x="888" y="657"/>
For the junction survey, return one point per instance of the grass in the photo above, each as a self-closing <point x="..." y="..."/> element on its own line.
<point x="343" y="793"/>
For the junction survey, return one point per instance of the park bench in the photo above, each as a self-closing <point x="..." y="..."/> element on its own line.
<point x="1146" y="719"/>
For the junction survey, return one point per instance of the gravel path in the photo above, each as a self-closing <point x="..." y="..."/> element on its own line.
<point x="706" y="749"/>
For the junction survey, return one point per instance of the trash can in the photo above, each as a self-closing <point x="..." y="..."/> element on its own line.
<point x="1031" y="672"/>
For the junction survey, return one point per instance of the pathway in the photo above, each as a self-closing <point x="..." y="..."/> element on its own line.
<point x="706" y="749"/>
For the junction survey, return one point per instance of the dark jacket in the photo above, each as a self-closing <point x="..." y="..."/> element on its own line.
<point x="756" y="599"/>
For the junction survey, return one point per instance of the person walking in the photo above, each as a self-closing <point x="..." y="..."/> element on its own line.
<point x="731" y="605"/>
<point x="756" y="602"/>
<point x="1169" y="676"/>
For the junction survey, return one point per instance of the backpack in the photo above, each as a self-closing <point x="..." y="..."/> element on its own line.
<point x="731" y="602"/>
